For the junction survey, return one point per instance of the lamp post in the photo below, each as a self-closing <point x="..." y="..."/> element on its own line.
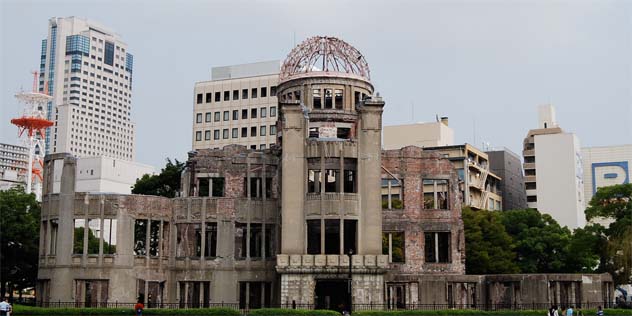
<point x="350" y="254"/>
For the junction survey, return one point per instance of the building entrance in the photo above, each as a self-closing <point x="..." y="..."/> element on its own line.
<point x="332" y="294"/>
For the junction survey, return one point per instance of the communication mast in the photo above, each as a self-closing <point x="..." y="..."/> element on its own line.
<point x="32" y="126"/>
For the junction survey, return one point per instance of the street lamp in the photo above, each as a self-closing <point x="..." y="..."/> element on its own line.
<point x="350" y="254"/>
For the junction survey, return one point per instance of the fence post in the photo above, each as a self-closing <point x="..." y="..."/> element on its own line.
<point x="293" y="304"/>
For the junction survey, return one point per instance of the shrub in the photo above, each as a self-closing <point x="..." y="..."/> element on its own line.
<point x="292" y="312"/>
<point x="27" y="310"/>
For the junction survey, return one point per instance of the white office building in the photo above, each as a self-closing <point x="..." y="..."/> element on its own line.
<point x="87" y="69"/>
<point x="237" y="106"/>
<point x="605" y="166"/>
<point x="553" y="171"/>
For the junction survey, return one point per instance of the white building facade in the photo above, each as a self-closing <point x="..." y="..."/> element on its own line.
<point x="605" y="166"/>
<point x="432" y="134"/>
<point x="237" y="106"/>
<point x="554" y="179"/>
<point x="13" y="165"/>
<point x="87" y="69"/>
<point x="102" y="174"/>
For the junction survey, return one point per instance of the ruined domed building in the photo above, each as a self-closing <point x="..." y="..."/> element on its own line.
<point x="323" y="219"/>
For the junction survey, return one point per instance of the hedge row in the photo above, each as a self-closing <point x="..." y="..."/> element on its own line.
<point x="28" y="310"/>
<point x="466" y="312"/>
<point x="292" y="312"/>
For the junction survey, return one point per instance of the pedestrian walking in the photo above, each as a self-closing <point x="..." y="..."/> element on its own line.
<point x="599" y="311"/>
<point x="5" y="308"/>
<point x="569" y="311"/>
<point x="138" y="308"/>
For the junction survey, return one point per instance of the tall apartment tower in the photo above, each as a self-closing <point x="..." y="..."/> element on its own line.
<point x="237" y="106"/>
<point x="87" y="69"/>
<point x="553" y="171"/>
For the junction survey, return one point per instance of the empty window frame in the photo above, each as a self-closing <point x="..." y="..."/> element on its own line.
<point x="54" y="229"/>
<point x="244" y="132"/>
<point x="314" y="180"/>
<point x="350" y="236"/>
<point x="194" y="294"/>
<point x="198" y="118"/>
<point x="435" y="194"/>
<point x="210" y="238"/>
<point x="154" y="238"/>
<point x="316" y="99"/>
<point x="140" y="237"/>
<point x="235" y="94"/>
<point x="332" y="236"/>
<point x="313" y="236"/>
<point x="329" y="99"/>
<point x="250" y="240"/>
<point x="94" y="231"/>
<point x="253" y="93"/>
<point x="254" y="295"/>
<point x="256" y="187"/>
<point x="253" y="113"/>
<point x="437" y="247"/>
<point x="339" y="98"/>
<point x="264" y="92"/>
<point x="332" y="180"/>
<point x="244" y="114"/>
<point x="189" y="240"/>
<point x="213" y="186"/>
<point x="393" y="246"/>
<point x="392" y="197"/>
<point x="226" y="95"/>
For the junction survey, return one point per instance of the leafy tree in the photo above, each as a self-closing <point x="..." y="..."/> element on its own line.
<point x="586" y="250"/>
<point x="541" y="244"/>
<point x="19" y="236"/>
<point x="614" y="203"/>
<point x="488" y="247"/>
<point x="167" y="183"/>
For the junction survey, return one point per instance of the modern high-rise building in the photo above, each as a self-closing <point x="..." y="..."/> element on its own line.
<point x="87" y="69"/>
<point x="508" y="166"/>
<point x="237" y="106"/>
<point x="605" y="166"/>
<point x="430" y="134"/>
<point x="13" y="165"/>
<point x="553" y="171"/>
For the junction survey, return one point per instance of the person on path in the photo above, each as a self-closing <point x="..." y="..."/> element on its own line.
<point x="138" y="308"/>
<point x="569" y="311"/>
<point x="599" y="311"/>
<point x="5" y="308"/>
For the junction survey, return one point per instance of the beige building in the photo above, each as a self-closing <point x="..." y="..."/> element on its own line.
<point x="237" y="106"/>
<point x="553" y="171"/>
<point x="431" y="134"/>
<point x="480" y="187"/>
<point x="13" y="163"/>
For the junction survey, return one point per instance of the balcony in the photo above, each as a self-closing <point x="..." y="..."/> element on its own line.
<point x="529" y="165"/>
<point x="528" y="153"/>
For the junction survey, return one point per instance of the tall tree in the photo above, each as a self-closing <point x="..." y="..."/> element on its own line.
<point x="19" y="237"/>
<point x="614" y="204"/>
<point x="541" y="244"/>
<point x="488" y="247"/>
<point x="167" y="183"/>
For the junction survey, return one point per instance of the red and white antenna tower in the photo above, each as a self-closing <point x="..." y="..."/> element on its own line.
<point x="32" y="126"/>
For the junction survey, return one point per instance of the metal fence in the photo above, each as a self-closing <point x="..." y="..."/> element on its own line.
<point x="355" y="307"/>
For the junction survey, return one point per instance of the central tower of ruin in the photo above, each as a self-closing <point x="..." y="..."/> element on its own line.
<point x="330" y="135"/>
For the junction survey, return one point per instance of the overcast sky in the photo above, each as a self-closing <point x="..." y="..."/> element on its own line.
<point x="485" y="64"/>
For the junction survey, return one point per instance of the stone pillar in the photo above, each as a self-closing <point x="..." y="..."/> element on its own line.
<point x="293" y="179"/>
<point x="369" y="176"/>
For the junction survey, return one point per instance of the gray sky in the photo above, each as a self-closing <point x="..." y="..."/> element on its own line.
<point x="487" y="64"/>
